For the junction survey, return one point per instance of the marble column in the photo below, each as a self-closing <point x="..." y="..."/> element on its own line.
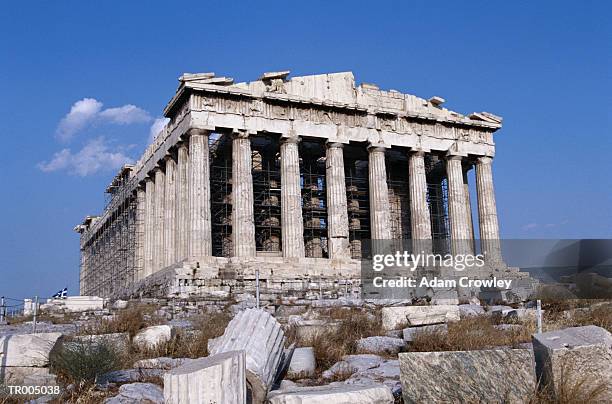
<point x="379" y="194"/>
<point x="487" y="210"/>
<point x="291" y="199"/>
<point x="468" y="204"/>
<point x="200" y="243"/>
<point x="337" y="214"/>
<point x="182" y="202"/>
<point x="243" y="222"/>
<point x="149" y="225"/>
<point x="457" y="209"/>
<point x="139" y="254"/>
<point x="420" y="218"/>
<point x="170" y="213"/>
<point x="158" y="225"/>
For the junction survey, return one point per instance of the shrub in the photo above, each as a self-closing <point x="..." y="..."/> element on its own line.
<point x="82" y="362"/>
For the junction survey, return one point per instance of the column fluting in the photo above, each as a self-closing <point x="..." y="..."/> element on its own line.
<point x="139" y="254"/>
<point x="200" y="243"/>
<point x="337" y="213"/>
<point x="158" y="226"/>
<point x="420" y="217"/>
<point x="149" y="227"/>
<point x="182" y="202"/>
<point x="487" y="210"/>
<point x="291" y="199"/>
<point x="243" y="223"/>
<point x="457" y="209"/>
<point x="170" y="212"/>
<point x="379" y="194"/>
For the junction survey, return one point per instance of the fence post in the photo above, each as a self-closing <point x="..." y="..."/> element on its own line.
<point x="539" y="316"/>
<point x="257" y="287"/>
<point x="35" y="314"/>
<point x="2" y="310"/>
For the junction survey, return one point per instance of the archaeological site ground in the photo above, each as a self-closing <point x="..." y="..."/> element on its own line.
<point x="305" y="203"/>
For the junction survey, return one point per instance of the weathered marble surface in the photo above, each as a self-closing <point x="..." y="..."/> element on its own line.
<point x="152" y="336"/>
<point x="31" y="350"/>
<point x="353" y="364"/>
<point x="137" y="393"/>
<point x="215" y="379"/>
<point x="575" y="355"/>
<point x="380" y="345"/>
<point x="261" y="337"/>
<point x="336" y="394"/>
<point x="399" y="317"/>
<point x="410" y="332"/>
<point x="303" y="362"/>
<point x="491" y="376"/>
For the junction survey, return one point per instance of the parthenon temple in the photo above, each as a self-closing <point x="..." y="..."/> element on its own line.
<point x="287" y="177"/>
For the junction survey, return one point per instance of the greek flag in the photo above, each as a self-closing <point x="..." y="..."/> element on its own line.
<point x="62" y="294"/>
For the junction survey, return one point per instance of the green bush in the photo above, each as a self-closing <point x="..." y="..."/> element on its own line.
<point x="82" y="362"/>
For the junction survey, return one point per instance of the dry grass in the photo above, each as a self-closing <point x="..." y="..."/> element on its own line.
<point x="332" y="344"/>
<point x="187" y="345"/>
<point x="575" y="384"/>
<point x="130" y="320"/>
<point x="599" y="315"/>
<point x="474" y="333"/>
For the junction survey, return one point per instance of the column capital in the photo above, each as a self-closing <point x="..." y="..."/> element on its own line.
<point x="334" y="145"/>
<point x="240" y="134"/>
<point x="376" y="148"/>
<point x="418" y="152"/>
<point x="454" y="157"/>
<point x="484" y="160"/>
<point x="290" y="137"/>
<point x="198" y="131"/>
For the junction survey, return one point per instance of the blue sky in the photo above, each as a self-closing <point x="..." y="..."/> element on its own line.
<point x="544" y="66"/>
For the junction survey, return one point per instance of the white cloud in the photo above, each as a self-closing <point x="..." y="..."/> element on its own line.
<point x="95" y="156"/>
<point x="125" y="115"/>
<point x="81" y="114"/>
<point x="530" y="226"/>
<point x="89" y="110"/>
<point x="157" y="126"/>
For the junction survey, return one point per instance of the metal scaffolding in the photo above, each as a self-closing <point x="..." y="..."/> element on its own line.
<point x="314" y="199"/>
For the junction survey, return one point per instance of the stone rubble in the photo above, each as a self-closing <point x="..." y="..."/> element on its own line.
<point x="302" y="363"/>
<point x="498" y="375"/>
<point x="573" y="356"/>
<point x="380" y="345"/>
<point x="261" y="337"/>
<point x="137" y="393"/>
<point x="24" y="358"/>
<point x="218" y="378"/>
<point x="410" y="332"/>
<point x="399" y="317"/>
<point x="336" y="394"/>
<point x="153" y="336"/>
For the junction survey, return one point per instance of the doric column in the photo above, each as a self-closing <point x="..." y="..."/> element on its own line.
<point x="158" y="226"/>
<point x="182" y="202"/>
<point x="487" y="210"/>
<point x="200" y="243"/>
<point x="468" y="204"/>
<point x="379" y="194"/>
<point x="149" y="227"/>
<point x="420" y="218"/>
<point x="457" y="209"/>
<point x="170" y="213"/>
<point x="337" y="214"/>
<point x="139" y="254"/>
<point x="291" y="199"/>
<point x="243" y="223"/>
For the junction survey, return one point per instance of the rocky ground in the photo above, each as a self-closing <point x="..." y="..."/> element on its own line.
<point x="340" y="351"/>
